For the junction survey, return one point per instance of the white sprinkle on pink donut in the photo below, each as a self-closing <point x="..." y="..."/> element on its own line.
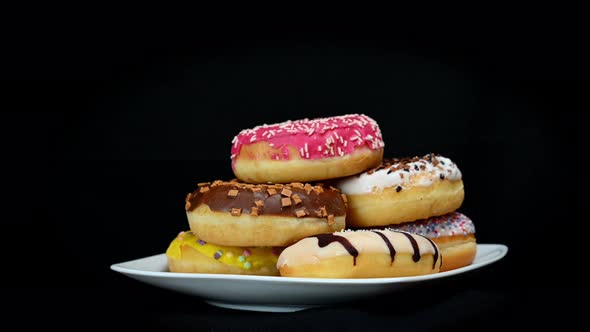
<point x="320" y="138"/>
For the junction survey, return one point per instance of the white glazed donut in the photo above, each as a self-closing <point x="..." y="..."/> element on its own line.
<point x="402" y="190"/>
<point x="360" y="254"/>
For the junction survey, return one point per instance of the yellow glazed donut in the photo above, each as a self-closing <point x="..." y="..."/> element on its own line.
<point x="239" y="214"/>
<point x="189" y="254"/>
<point x="307" y="150"/>
<point x="360" y="254"/>
<point x="454" y="234"/>
<point x="402" y="190"/>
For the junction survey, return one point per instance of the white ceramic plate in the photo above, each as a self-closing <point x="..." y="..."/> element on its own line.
<point x="282" y="294"/>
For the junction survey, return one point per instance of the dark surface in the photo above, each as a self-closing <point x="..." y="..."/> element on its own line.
<point x="113" y="129"/>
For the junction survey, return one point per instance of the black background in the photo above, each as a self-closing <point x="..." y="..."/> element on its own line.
<point x="111" y="125"/>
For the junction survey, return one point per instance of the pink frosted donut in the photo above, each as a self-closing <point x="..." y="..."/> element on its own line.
<point x="307" y="150"/>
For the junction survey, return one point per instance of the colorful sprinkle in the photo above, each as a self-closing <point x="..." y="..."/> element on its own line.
<point x="231" y="256"/>
<point x="446" y="225"/>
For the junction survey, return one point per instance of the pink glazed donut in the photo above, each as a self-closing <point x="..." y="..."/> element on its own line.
<point x="307" y="150"/>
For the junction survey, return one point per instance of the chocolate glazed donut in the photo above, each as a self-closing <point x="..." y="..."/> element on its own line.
<point x="238" y="214"/>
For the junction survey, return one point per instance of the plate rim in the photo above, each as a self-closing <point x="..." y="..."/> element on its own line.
<point x="503" y="251"/>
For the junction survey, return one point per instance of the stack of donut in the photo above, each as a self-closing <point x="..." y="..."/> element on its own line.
<point x="418" y="195"/>
<point x="241" y="228"/>
<point x="365" y="218"/>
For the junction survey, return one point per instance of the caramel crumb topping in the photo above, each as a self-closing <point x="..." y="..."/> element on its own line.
<point x="236" y="212"/>
<point x="323" y="211"/>
<point x="232" y="193"/>
<point x="254" y="211"/>
<point x="203" y="189"/>
<point x="308" y="187"/>
<point x="344" y="198"/>
<point x="298" y="185"/>
<point x="256" y="189"/>
<point x="285" y="201"/>
<point x="301" y="213"/>
<point x="331" y="219"/>
<point x="187" y="205"/>
<point x="286" y="192"/>
<point x="203" y="184"/>
<point x="259" y="203"/>
<point x="271" y="191"/>
<point x="296" y="199"/>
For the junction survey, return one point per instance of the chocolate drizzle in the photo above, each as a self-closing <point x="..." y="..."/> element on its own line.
<point x="416" y="256"/>
<point x="388" y="243"/>
<point x="435" y="256"/>
<point x="325" y="239"/>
